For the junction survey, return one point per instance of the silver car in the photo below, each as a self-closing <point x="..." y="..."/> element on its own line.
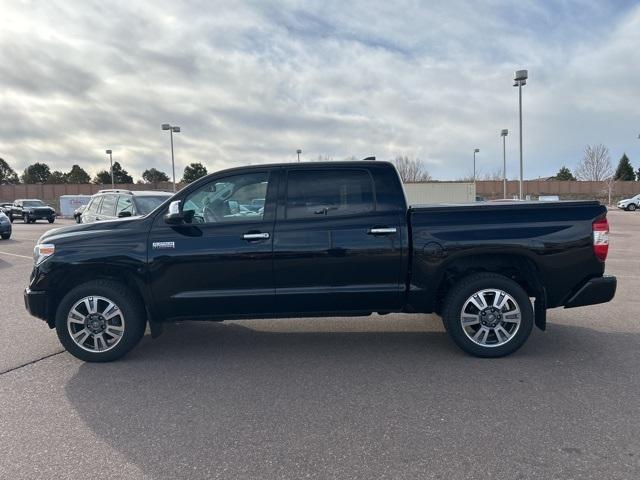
<point x="630" y="204"/>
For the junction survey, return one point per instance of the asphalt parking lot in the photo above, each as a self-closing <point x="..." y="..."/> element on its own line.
<point x="379" y="397"/>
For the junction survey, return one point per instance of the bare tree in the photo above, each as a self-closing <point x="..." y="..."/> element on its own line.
<point x="595" y="165"/>
<point x="411" y="169"/>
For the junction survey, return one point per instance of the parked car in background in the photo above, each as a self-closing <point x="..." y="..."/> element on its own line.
<point x="5" y="227"/>
<point x="77" y="213"/>
<point x="630" y="204"/>
<point x="30" y="210"/>
<point x="5" y="207"/>
<point x="113" y="204"/>
<point x="331" y="239"/>
<point x="549" y="198"/>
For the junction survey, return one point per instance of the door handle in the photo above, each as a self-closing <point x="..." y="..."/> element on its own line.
<point x="255" y="236"/>
<point x="382" y="230"/>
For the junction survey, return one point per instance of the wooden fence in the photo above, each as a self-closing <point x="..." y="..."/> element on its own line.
<point x="566" y="190"/>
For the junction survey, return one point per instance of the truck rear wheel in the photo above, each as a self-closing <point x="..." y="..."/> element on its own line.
<point x="488" y="315"/>
<point x="100" y="321"/>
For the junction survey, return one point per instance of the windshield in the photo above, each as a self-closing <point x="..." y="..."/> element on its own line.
<point x="147" y="204"/>
<point x="33" y="203"/>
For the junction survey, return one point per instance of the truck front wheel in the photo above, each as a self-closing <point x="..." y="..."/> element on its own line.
<point x="488" y="315"/>
<point x="100" y="321"/>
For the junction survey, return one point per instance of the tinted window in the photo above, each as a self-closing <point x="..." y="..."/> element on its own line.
<point x="109" y="205"/>
<point x="125" y="204"/>
<point x="33" y="203"/>
<point x="146" y="204"/>
<point x="232" y="199"/>
<point x="315" y="194"/>
<point x="93" y="205"/>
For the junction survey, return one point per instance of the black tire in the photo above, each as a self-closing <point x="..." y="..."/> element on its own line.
<point x="78" y="219"/>
<point x="631" y="207"/>
<point x="51" y="220"/>
<point x="6" y="236"/>
<point x="128" y="303"/>
<point x="463" y="290"/>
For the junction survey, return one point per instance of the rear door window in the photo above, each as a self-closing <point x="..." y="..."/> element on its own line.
<point x="108" y="207"/>
<point x="327" y="193"/>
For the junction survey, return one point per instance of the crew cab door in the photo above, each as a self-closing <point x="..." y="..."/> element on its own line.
<point x="335" y="249"/>
<point x="220" y="263"/>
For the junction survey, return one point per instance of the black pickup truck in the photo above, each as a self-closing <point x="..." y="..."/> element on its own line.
<point x="319" y="239"/>
<point x="30" y="210"/>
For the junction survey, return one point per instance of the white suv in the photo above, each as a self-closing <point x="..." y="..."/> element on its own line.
<point x="630" y="203"/>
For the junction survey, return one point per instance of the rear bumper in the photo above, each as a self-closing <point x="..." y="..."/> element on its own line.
<point x="5" y="228"/>
<point x="36" y="303"/>
<point x="596" y="290"/>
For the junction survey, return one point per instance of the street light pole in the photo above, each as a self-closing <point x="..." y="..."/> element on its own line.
<point x="108" y="152"/>
<point x="504" y="134"/>
<point x="520" y="79"/>
<point x="176" y="129"/>
<point x="298" y="151"/>
<point x="475" y="150"/>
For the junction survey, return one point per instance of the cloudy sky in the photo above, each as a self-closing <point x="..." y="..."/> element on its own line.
<point x="250" y="82"/>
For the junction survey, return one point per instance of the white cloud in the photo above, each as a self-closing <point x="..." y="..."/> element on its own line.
<point x="253" y="81"/>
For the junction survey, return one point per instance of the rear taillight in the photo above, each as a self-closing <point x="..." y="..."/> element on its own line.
<point x="601" y="239"/>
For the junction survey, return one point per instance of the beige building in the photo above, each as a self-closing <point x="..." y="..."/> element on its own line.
<point x="439" y="192"/>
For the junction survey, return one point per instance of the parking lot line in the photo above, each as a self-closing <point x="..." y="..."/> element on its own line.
<point x="16" y="255"/>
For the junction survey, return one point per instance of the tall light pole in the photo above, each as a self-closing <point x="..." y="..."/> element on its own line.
<point x="520" y="80"/>
<point x="504" y="134"/>
<point x="475" y="150"/>
<point x="172" y="129"/>
<point x="298" y="151"/>
<point x="109" y="152"/>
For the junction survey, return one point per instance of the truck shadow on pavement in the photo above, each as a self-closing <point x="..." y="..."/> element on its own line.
<point x="208" y="400"/>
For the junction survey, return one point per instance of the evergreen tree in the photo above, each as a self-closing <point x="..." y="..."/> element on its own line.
<point x="78" y="175"/>
<point x="625" y="170"/>
<point x="120" y="175"/>
<point x="7" y="174"/>
<point x="153" y="175"/>
<point x="36" y="173"/>
<point x="564" y="174"/>
<point x="57" y="177"/>
<point x="193" y="172"/>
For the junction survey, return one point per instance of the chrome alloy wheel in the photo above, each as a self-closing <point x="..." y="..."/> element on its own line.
<point x="490" y="318"/>
<point x="95" y="324"/>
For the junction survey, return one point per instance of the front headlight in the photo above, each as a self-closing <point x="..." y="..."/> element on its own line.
<point x="42" y="251"/>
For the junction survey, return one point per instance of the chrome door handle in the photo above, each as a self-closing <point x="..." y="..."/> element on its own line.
<point x="255" y="236"/>
<point x="382" y="230"/>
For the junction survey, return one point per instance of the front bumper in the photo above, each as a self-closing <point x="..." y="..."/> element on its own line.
<point x="35" y="302"/>
<point x="596" y="290"/>
<point x="40" y="215"/>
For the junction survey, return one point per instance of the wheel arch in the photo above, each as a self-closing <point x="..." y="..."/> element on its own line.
<point x="82" y="274"/>
<point x="518" y="267"/>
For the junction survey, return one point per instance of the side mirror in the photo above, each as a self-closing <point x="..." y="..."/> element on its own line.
<point x="174" y="216"/>
<point x="124" y="214"/>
